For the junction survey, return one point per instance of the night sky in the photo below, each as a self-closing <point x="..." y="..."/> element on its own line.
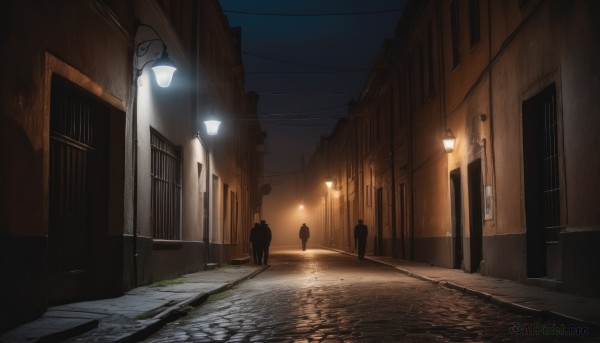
<point x="307" y="64"/>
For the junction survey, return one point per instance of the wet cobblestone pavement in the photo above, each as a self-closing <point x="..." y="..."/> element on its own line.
<point x="324" y="296"/>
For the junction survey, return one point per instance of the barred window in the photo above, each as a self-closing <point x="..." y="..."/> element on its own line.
<point x="166" y="188"/>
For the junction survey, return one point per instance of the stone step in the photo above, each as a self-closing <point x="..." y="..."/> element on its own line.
<point x="240" y="260"/>
<point x="211" y="266"/>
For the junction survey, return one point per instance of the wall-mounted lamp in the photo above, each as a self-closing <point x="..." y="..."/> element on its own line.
<point x="163" y="69"/>
<point x="212" y="127"/>
<point x="329" y="184"/>
<point x="449" y="141"/>
<point x="163" y="66"/>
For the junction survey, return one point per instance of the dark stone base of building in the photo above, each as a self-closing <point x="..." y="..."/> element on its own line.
<point x="28" y="286"/>
<point x="570" y="263"/>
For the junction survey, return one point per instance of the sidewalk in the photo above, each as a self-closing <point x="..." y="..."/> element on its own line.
<point x="133" y="316"/>
<point x="530" y="300"/>
<point x="144" y="310"/>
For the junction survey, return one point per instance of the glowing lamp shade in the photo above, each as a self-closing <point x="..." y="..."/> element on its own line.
<point x="212" y="127"/>
<point x="163" y="70"/>
<point x="329" y="184"/>
<point x="449" y="141"/>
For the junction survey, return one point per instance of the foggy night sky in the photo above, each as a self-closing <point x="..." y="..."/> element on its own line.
<point x="340" y="45"/>
<point x="332" y="56"/>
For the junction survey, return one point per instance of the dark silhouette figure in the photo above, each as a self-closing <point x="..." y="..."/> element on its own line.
<point x="265" y="239"/>
<point x="256" y="244"/>
<point x="360" y="238"/>
<point x="304" y="235"/>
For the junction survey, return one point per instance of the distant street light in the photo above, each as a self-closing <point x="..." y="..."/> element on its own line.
<point x="328" y="211"/>
<point x="449" y="141"/>
<point x="212" y="129"/>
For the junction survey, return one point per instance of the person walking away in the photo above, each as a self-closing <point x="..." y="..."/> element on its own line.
<point x="304" y="235"/>
<point x="265" y="237"/>
<point x="255" y="241"/>
<point x="360" y="238"/>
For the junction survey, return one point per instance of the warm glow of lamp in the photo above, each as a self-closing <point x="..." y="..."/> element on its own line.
<point x="449" y="141"/>
<point x="212" y="127"/>
<point x="329" y="184"/>
<point x="301" y="207"/>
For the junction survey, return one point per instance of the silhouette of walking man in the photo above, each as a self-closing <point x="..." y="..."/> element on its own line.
<point x="360" y="238"/>
<point x="265" y="239"/>
<point x="254" y="239"/>
<point x="304" y="235"/>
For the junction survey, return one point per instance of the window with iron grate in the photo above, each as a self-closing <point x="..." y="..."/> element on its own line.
<point x="166" y="188"/>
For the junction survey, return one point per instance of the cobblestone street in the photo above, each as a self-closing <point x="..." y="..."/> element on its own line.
<point x="325" y="296"/>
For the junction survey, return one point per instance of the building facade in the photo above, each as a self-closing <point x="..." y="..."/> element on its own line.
<point x="109" y="180"/>
<point x="514" y="83"/>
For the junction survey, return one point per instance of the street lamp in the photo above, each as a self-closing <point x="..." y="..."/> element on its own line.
<point x="329" y="184"/>
<point x="212" y="127"/>
<point x="163" y="68"/>
<point x="449" y="141"/>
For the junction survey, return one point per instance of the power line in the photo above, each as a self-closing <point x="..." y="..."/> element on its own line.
<point x="304" y="127"/>
<point x="306" y="93"/>
<point x="284" y="118"/>
<point x="303" y="118"/>
<point x="290" y="62"/>
<point x="331" y="69"/>
<point x="310" y="72"/>
<point x="305" y="111"/>
<point x="315" y="14"/>
<point x="276" y="174"/>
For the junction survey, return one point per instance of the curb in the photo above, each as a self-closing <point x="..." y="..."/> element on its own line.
<point x="181" y="309"/>
<point x="514" y="307"/>
<point x="71" y="332"/>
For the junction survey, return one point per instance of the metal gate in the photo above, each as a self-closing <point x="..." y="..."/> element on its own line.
<point x="541" y="160"/>
<point x="75" y="172"/>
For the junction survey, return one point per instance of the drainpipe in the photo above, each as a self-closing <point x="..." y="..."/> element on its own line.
<point x="490" y="115"/>
<point x="348" y="173"/>
<point x="207" y="208"/>
<point x="443" y="105"/>
<point x="393" y="174"/>
<point x="134" y="142"/>
<point x="195" y="56"/>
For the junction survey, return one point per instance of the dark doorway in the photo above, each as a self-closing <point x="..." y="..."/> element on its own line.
<point x="379" y="222"/>
<point x="542" y="186"/>
<point x="456" y="203"/>
<point x="475" y="215"/>
<point x="78" y="194"/>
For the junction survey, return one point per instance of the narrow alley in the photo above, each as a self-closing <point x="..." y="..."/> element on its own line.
<point x="324" y="296"/>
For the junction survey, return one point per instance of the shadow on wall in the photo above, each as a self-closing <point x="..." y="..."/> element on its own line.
<point x="23" y="249"/>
